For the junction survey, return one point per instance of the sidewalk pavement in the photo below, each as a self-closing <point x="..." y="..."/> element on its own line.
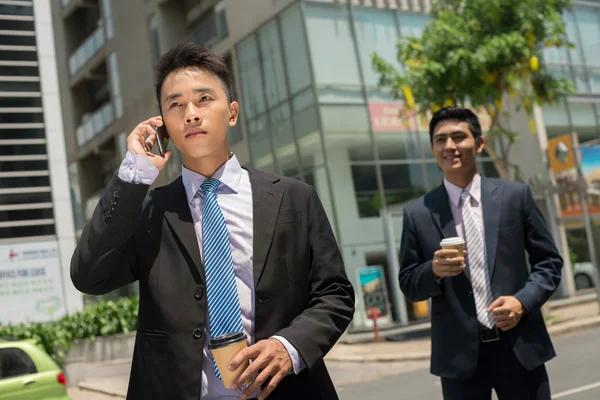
<point x="564" y="316"/>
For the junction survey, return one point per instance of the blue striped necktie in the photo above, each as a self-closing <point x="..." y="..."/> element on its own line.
<point x="224" y="312"/>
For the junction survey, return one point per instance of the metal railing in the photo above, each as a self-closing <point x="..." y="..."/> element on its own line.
<point x="87" y="50"/>
<point x="95" y="124"/>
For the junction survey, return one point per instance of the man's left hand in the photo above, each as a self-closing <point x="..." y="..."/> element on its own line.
<point x="507" y="311"/>
<point x="270" y="359"/>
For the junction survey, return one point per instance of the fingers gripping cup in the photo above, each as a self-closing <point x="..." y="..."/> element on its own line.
<point x="223" y="349"/>
<point x="455" y="243"/>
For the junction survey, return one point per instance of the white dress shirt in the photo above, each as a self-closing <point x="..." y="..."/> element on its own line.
<point x="234" y="196"/>
<point x="454" y="192"/>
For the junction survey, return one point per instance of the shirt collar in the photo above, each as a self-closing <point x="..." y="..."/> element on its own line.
<point x="454" y="192"/>
<point x="229" y="174"/>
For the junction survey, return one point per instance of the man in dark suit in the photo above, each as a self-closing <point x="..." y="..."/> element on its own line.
<point x="487" y="327"/>
<point x="221" y="249"/>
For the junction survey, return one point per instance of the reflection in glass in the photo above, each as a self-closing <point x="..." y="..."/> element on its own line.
<point x="328" y="28"/>
<point x="402" y="182"/>
<point x="251" y="78"/>
<point x="368" y="200"/>
<point x="272" y="64"/>
<point x="295" y="51"/>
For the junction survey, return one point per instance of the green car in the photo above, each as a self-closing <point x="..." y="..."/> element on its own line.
<point x="28" y="373"/>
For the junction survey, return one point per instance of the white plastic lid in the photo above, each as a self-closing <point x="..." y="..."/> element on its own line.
<point x="453" y="241"/>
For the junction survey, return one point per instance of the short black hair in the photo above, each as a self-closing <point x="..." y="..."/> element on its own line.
<point x="455" y="113"/>
<point x="193" y="56"/>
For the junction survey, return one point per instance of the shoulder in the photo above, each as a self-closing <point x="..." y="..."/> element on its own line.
<point x="426" y="201"/>
<point x="278" y="182"/>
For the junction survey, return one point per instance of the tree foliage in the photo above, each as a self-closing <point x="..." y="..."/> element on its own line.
<point x="472" y="53"/>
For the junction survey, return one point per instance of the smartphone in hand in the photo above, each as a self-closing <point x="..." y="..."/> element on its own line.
<point x="162" y="139"/>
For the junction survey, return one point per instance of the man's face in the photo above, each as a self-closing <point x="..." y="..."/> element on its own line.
<point x="197" y="112"/>
<point x="454" y="147"/>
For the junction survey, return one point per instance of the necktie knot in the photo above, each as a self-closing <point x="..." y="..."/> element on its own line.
<point x="464" y="195"/>
<point x="210" y="186"/>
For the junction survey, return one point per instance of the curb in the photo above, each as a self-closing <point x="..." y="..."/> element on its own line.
<point x="91" y="387"/>
<point x="554" y="330"/>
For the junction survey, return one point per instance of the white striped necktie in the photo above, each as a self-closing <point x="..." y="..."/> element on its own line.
<point x="224" y="312"/>
<point x="480" y="275"/>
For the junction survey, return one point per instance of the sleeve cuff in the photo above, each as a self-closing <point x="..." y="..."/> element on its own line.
<point x="297" y="360"/>
<point x="137" y="169"/>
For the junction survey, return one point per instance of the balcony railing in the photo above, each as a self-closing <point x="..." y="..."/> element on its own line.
<point x="95" y="124"/>
<point x="86" y="51"/>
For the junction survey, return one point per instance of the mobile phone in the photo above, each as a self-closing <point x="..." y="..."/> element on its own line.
<point x="162" y="139"/>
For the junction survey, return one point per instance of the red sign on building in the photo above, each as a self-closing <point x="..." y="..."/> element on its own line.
<point x="385" y="117"/>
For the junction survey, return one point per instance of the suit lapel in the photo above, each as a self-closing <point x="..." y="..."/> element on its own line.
<point x="441" y="213"/>
<point x="173" y="201"/>
<point x="265" y="207"/>
<point x="491" y="203"/>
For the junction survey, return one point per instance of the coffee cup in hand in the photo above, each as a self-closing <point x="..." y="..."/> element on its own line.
<point x="455" y="243"/>
<point x="223" y="349"/>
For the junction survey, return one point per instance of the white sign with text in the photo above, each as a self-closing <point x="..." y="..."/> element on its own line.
<point x="30" y="283"/>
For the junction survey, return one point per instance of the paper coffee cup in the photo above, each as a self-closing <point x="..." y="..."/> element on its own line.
<point x="453" y="243"/>
<point x="223" y="349"/>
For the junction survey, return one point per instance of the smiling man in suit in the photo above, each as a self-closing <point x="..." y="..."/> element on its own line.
<point x="487" y="327"/>
<point x="220" y="249"/>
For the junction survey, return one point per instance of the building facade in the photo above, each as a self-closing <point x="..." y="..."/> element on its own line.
<point x="311" y="106"/>
<point x="37" y="236"/>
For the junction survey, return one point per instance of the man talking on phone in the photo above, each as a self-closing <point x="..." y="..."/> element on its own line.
<point x="220" y="249"/>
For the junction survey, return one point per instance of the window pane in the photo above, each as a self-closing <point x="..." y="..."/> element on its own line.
<point x="19" y="86"/>
<point x="331" y="44"/>
<point x="22" y="149"/>
<point x="584" y="121"/>
<point x="25" y="198"/>
<point x="368" y="200"/>
<point x="253" y="101"/>
<point x="589" y="26"/>
<point x="402" y="182"/>
<point x="16" y="10"/>
<point x="260" y="145"/>
<point x="375" y="31"/>
<point x="19" y="118"/>
<point x="347" y="133"/>
<point x="413" y="23"/>
<point x="22" y="133"/>
<point x="26" y="215"/>
<point x="21" y="182"/>
<point x="10" y="25"/>
<point x="26" y="231"/>
<point x="13" y="40"/>
<point x="18" y="55"/>
<point x="295" y="51"/>
<point x="15" y="362"/>
<point x="272" y="64"/>
<point x="398" y="146"/>
<point x="556" y="120"/>
<point x="576" y="53"/>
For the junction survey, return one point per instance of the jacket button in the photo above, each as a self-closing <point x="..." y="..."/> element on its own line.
<point x="199" y="294"/>
<point x="116" y="194"/>
<point x="197" y="333"/>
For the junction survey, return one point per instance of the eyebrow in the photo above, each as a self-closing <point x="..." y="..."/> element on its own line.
<point x="437" y="135"/>
<point x="173" y="96"/>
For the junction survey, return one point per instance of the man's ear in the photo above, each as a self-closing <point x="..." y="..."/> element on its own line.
<point x="479" y="144"/>
<point x="234" y="112"/>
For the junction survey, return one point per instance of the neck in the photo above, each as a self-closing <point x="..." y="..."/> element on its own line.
<point x="207" y="166"/>
<point x="461" y="178"/>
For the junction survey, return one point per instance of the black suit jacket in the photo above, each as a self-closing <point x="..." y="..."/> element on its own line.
<point x="301" y="290"/>
<point x="513" y="226"/>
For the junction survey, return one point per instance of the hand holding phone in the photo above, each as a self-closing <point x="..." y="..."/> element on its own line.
<point x="143" y="137"/>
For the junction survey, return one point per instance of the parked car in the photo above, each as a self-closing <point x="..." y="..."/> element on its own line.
<point x="584" y="275"/>
<point x="28" y="373"/>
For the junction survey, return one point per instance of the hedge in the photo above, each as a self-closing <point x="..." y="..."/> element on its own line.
<point x="102" y="319"/>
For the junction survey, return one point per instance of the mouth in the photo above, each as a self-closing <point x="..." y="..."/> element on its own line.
<point x="195" y="132"/>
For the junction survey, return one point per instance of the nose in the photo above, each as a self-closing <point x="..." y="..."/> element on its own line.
<point x="192" y="114"/>
<point x="450" y="145"/>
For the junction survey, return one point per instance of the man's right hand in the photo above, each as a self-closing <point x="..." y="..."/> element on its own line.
<point x="447" y="262"/>
<point x="142" y="139"/>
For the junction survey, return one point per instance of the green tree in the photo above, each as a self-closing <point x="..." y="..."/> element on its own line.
<point x="472" y="53"/>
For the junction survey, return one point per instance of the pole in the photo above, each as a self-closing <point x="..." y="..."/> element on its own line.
<point x="400" y="312"/>
<point x="586" y="211"/>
